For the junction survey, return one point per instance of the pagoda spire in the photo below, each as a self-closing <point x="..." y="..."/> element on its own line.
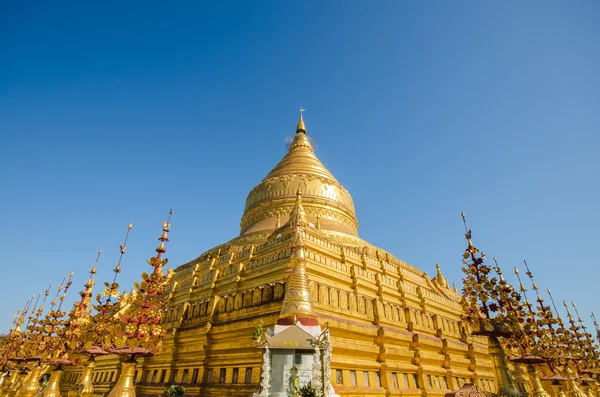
<point x="439" y="277"/>
<point x="298" y="215"/>
<point x="164" y="237"/>
<point x="297" y="303"/>
<point x="301" y="128"/>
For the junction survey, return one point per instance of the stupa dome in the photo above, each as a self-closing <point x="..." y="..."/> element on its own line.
<point x="326" y="202"/>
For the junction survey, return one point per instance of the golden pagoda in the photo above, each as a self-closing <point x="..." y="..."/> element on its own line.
<point x="394" y="330"/>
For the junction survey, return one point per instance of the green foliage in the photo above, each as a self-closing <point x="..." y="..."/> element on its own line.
<point x="308" y="391"/>
<point x="174" y="391"/>
<point x="260" y="335"/>
<point x="259" y="331"/>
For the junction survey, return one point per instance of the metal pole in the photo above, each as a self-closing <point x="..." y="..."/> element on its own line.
<point x="322" y="373"/>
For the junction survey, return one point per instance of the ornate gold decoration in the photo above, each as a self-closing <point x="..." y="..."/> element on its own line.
<point x="142" y="333"/>
<point x="491" y="307"/>
<point x="439" y="277"/>
<point x="589" y="349"/>
<point x="9" y="384"/>
<point x="80" y="328"/>
<point x="43" y="339"/>
<point x="31" y="386"/>
<point x="146" y="307"/>
<point x="107" y="325"/>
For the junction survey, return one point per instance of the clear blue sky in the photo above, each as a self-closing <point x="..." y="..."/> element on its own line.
<point x="112" y="112"/>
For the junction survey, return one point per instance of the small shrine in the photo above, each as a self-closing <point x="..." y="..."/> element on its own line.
<point x="292" y="360"/>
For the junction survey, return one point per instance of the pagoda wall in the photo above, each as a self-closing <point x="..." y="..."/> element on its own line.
<point x="394" y="331"/>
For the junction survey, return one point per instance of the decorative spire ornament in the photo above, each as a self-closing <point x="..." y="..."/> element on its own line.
<point x="439" y="277"/>
<point x="80" y="329"/>
<point x="563" y="338"/>
<point x="44" y="339"/>
<point x="489" y="307"/>
<point x="590" y="354"/>
<point x="545" y="341"/>
<point x="106" y="322"/>
<point x="568" y="346"/>
<point x="298" y="215"/>
<point x="142" y="332"/>
<point x="301" y="128"/>
<point x="146" y="306"/>
<point x="86" y="294"/>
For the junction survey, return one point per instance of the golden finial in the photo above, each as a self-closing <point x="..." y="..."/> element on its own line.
<point x="93" y="271"/>
<point x="454" y="287"/>
<point x="164" y="236"/>
<point x="301" y="128"/>
<point x="318" y="225"/>
<point x="278" y="223"/>
<point x="576" y="312"/>
<point x="467" y="231"/>
<point x="161" y="248"/>
<point x="439" y="277"/>
<point x="499" y="272"/>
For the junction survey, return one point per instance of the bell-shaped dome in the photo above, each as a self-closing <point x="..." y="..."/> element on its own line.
<point x="323" y="198"/>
